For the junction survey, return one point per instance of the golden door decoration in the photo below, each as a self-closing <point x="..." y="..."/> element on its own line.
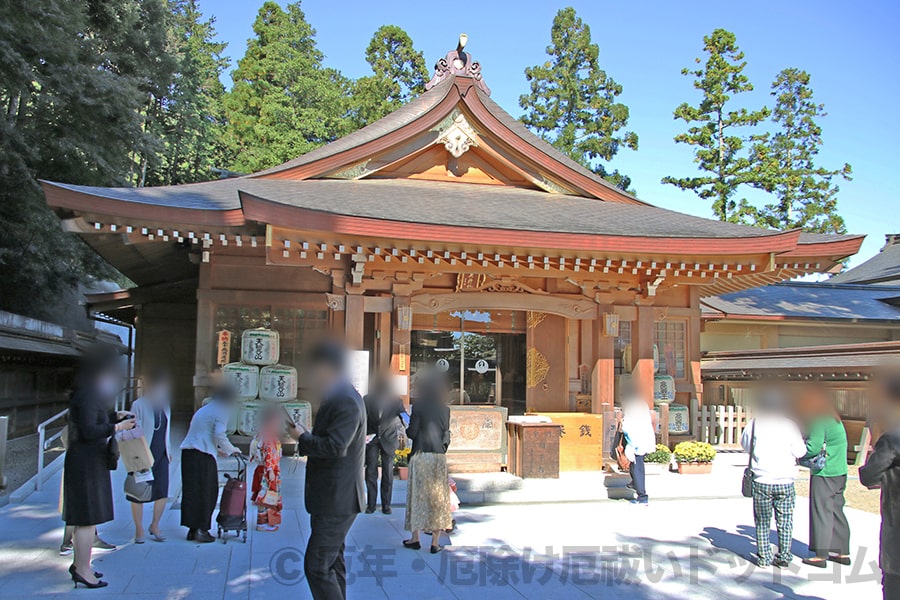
<point x="535" y="318"/>
<point x="538" y="367"/>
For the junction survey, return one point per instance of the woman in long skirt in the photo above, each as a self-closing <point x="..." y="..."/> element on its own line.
<point x="206" y="438"/>
<point x="427" y="492"/>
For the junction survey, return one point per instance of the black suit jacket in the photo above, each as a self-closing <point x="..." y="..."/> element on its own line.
<point x="336" y="448"/>
<point x="882" y="469"/>
<point x="429" y="427"/>
<point x="384" y="428"/>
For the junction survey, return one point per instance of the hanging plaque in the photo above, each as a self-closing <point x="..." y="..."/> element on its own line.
<point x="223" y="348"/>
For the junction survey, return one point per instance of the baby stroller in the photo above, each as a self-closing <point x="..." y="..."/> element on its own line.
<point x="233" y="505"/>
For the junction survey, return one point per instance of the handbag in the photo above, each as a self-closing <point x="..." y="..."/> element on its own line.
<point x="619" y="449"/>
<point x="138" y="491"/>
<point x="814" y="463"/>
<point x="747" y="482"/>
<point x="112" y="454"/>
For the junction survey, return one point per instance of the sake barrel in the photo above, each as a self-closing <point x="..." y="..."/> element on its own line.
<point x="259" y="347"/>
<point x="679" y="419"/>
<point x="243" y="378"/>
<point x="231" y="428"/>
<point x="248" y="418"/>
<point x="300" y="413"/>
<point x="663" y="389"/>
<point x="278" y="383"/>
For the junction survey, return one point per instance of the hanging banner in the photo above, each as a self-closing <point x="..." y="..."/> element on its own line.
<point x="223" y="348"/>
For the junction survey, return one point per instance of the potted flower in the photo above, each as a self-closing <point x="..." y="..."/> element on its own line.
<point x="401" y="461"/>
<point x="694" y="457"/>
<point x="657" y="462"/>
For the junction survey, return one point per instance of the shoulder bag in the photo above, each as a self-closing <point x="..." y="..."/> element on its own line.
<point x="747" y="483"/>
<point x="619" y="449"/>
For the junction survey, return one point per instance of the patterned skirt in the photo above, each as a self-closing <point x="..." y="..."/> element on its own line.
<point x="428" y="493"/>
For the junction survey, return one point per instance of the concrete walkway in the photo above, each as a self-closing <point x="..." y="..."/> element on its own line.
<point x="675" y="548"/>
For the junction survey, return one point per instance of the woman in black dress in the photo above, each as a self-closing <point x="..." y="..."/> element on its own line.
<point x="153" y="414"/>
<point x="87" y="488"/>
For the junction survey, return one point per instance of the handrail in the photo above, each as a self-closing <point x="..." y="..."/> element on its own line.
<point x="43" y="443"/>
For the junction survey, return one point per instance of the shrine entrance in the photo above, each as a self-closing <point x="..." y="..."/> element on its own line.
<point x="482" y="353"/>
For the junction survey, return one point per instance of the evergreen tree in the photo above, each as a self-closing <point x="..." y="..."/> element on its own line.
<point x="806" y="195"/>
<point x="283" y="102"/>
<point x="573" y="104"/>
<point x="189" y="119"/>
<point x="715" y="128"/>
<point x="74" y="81"/>
<point x="398" y="75"/>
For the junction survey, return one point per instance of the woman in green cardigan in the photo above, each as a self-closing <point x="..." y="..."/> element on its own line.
<point x="829" y="531"/>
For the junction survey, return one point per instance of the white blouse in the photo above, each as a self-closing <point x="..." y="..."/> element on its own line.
<point x="207" y="431"/>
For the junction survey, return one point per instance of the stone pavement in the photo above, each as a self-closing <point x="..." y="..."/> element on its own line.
<point x="675" y="548"/>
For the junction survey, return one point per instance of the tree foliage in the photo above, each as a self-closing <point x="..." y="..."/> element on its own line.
<point x="398" y="75"/>
<point x="806" y="196"/>
<point x="284" y="102"/>
<point x="188" y="118"/>
<point x="573" y="102"/>
<point x="74" y="78"/>
<point x="716" y="128"/>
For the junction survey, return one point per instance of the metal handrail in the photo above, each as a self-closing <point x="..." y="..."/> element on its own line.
<point x="44" y="443"/>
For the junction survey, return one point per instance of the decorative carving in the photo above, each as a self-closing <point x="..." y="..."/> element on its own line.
<point x="466" y="282"/>
<point x="458" y="137"/>
<point x="478" y="300"/>
<point x="404" y="318"/>
<point x="508" y="284"/>
<point x="538" y="367"/>
<point x="535" y="318"/>
<point x="457" y="62"/>
<point x="334" y="301"/>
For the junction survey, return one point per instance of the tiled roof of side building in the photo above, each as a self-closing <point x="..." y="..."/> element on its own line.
<point x="883" y="268"/>
<point x="808" y="300"/>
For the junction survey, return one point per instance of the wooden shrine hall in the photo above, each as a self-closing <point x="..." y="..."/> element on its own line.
<point x="444" y="235"/>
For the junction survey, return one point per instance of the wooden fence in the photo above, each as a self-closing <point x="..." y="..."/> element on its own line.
<point x="719" y="425"/>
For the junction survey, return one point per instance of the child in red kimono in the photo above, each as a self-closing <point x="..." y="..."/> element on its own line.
<point x="265" y="450"/>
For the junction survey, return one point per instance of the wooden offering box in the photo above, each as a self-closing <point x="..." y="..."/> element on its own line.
<point x="580" y="441"/>
<point x="537" y="450"/>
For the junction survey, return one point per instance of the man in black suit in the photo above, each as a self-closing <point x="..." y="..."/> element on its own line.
<point x="383" y="410"/>
<point x="334" y="470"/>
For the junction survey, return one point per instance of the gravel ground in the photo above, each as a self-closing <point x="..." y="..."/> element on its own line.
<point x="856" y="495"/>
<point x="21" y="460"/>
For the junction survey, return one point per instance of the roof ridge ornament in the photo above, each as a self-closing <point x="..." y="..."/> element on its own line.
<point x="459" y="63"/>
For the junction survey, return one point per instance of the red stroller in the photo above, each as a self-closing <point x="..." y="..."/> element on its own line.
<point x="233" y="505"/>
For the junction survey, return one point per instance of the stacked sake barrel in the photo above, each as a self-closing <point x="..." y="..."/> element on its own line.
<point x="259" y="380"/>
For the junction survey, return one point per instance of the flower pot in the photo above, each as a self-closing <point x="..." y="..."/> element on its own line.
<point x="403" y="473"/>
<point x="655" y="468"/>
<point x="694" y="468"/>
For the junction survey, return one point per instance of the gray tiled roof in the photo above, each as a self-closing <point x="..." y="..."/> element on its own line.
<point x="883" y="268"/>
<point x="810" y="300"/>
<point x="460" y="204"/>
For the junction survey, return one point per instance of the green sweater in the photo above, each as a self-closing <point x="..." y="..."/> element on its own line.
<point x="831" y="433"/>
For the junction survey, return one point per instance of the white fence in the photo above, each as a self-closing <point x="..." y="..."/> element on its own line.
<point x="719" y="425"/>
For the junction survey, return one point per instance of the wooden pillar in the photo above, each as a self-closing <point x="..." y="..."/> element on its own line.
<point x="604" y="373"/>
<point x="642" y="352"/>
<point x="204" y="363"/>
<point x="354" y="321"/>
<point x="400" y="343"/>
<point x="693" y="346"/>
<point x="383" y="341"/>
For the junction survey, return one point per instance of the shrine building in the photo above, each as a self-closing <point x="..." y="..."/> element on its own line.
<point x="444" y="235"/>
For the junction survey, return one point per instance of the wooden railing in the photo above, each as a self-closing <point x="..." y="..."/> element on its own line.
<point x="719" y="425"/>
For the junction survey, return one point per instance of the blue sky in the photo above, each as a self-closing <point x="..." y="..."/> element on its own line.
<point x="851" y="50"/>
